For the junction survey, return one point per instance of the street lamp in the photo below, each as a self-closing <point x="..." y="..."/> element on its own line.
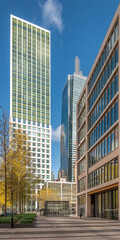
<point x="12" y="220"/>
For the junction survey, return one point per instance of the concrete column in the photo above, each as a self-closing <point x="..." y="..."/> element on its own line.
<point x="88" y="205"/>
<point x="77" y="206"/>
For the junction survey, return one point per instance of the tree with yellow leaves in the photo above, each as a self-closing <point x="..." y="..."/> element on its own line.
<point x="21" y="178"/>
<point x="5" y="159"/>
<point x="2" y="196"/>
<point x="15" y="172"/>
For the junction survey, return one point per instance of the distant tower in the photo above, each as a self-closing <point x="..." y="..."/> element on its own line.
<point x="77" y="65"/>
<point x="71" y="93"/>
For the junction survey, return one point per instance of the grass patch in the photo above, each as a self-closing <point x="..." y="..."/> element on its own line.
<point x="21" y="218"/>
<point x="27" y="218"/>
<point x="28" y="215"/>
<point x="4" y="220"/>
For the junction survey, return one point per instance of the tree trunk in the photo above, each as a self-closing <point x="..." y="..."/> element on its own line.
<point x="16" y="202"/>
<point x="20" y="204"/>
<point x="24" y="204"/>
<point x="5" y="186"/>
<point x="4" y="142"/>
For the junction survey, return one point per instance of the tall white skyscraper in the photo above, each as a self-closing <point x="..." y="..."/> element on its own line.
<point x="30" y="90"/>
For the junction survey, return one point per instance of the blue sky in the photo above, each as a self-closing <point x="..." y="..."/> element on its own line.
<point x="77" y="28"/>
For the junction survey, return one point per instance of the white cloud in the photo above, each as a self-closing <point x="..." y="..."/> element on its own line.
<point x="52" y="14"/>
<point x="56" y="134"/>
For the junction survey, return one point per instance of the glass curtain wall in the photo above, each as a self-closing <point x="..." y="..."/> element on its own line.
<point x="105" y="204"/>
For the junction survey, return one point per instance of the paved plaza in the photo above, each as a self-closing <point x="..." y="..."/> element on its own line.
<point x="72" y="228"/>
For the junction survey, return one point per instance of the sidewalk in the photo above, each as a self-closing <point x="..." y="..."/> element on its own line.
<point x="65" y="228"/>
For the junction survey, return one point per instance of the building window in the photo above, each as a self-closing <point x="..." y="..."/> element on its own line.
<point x="112" y="141"/>
<point x="81" y="150"/>
<point x="116" y="137"/>
<point x="116" y="167"/>
<point x="108" y="144"/>
<point x="108" y="120"/>
<point x="116" y="111"/>
<point x="105" y="100"/>
<point x="108" y="94"/>
<point x="107" y="172"/>
<point x="105" y="120"/>
<point x="116" y="84"/>
<point x="112" y="115"/>
<point x="116" y="57"/>
<point x="105" y="53"/>
<point x="81" y="166"/>
<point x="105" y="146"/>
<point x="82" y="184"/>
<point x="104" y="125"/>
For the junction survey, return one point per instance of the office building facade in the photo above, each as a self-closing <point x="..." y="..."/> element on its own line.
<point x="61" y="191"/>
<point x="98" y="123"/>
<point x="30" y="90"/>
<point x="73" y="87"/>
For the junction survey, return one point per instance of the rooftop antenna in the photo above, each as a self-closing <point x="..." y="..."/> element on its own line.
<point x="77" y="66"/>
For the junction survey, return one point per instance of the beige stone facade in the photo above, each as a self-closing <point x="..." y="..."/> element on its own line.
<point x="98" y="138"/>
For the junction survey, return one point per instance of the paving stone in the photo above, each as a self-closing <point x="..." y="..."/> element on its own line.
<point x="72" y="228"/>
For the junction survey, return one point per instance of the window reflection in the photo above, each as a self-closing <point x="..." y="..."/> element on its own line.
<point x="108" y="144"/>
<point x="108" y="95"/>
<point x="81" y="166"/>
<point x="107" y="172"/>
<point x="82" y="184"/>
<point x="103" y="58"/>
<point x="109" y="119"/>
<point x="81" y="150"/>
<point x="106" y="204"/>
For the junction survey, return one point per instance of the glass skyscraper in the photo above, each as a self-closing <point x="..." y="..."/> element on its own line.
<point x="30" y="90"/>
<point x="71" y="92"/>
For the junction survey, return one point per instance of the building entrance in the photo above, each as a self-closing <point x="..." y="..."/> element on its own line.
<point x="105" y="204"/>
<point x="57" y="208"/>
